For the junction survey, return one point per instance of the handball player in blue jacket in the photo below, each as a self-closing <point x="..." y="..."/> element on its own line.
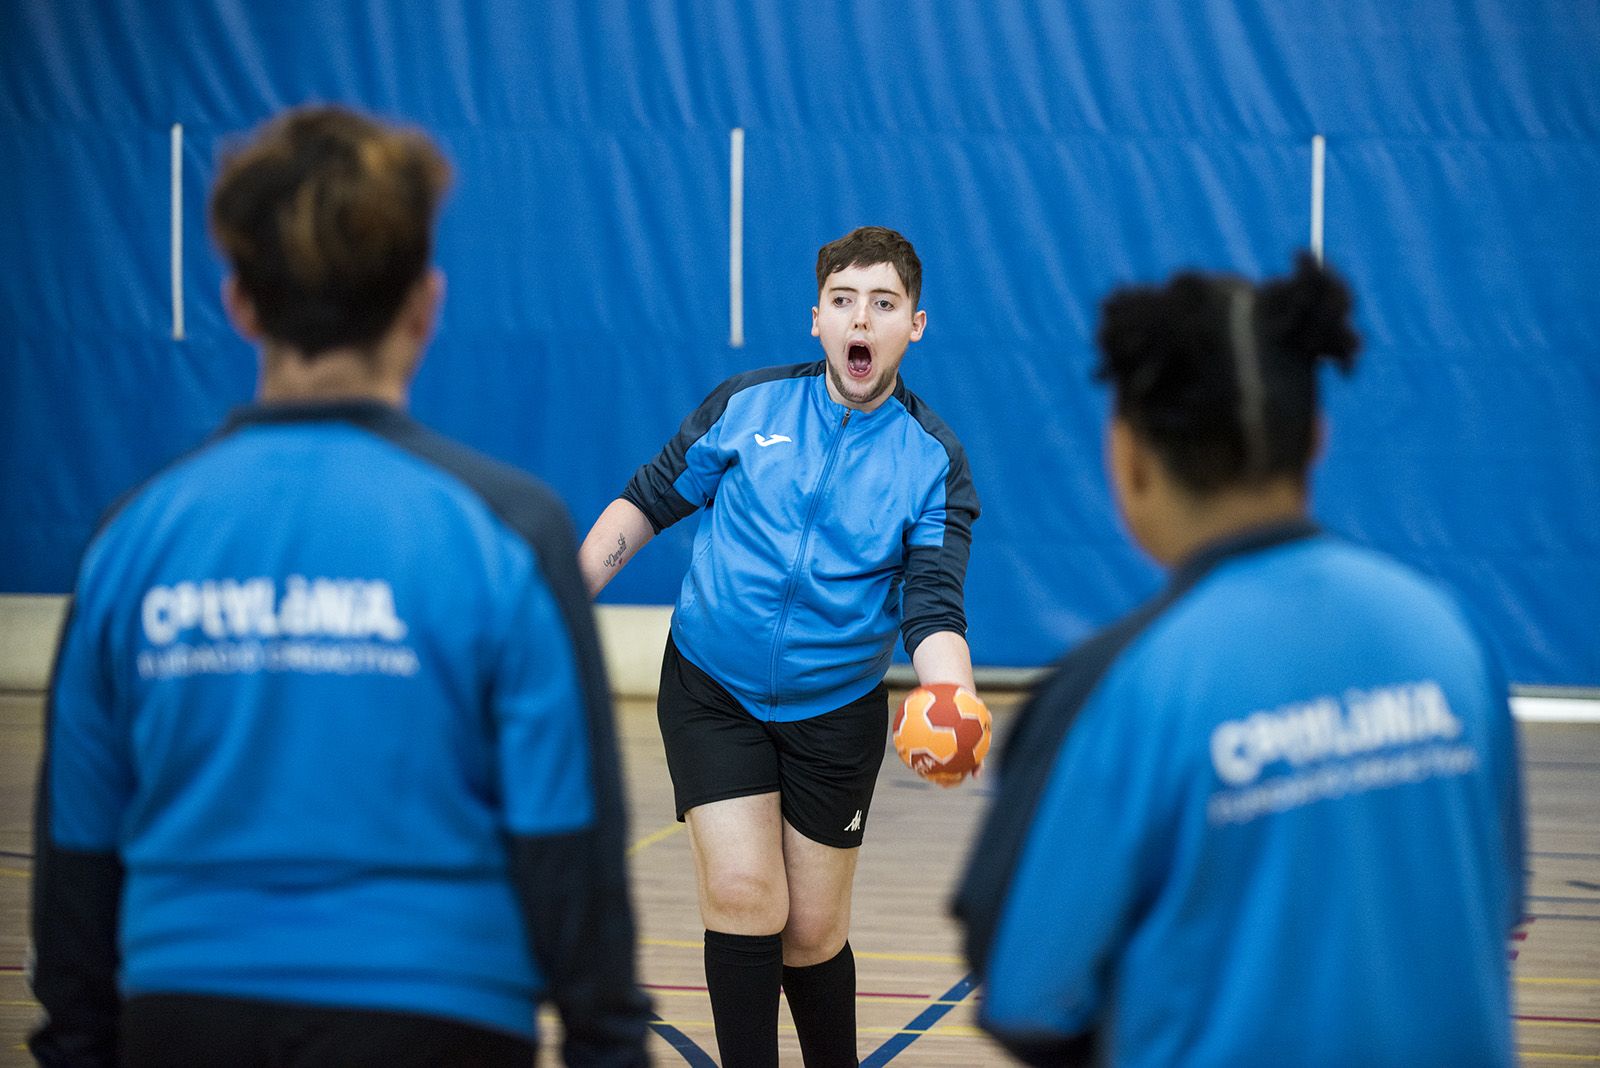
<point x="330" y="776"/>
<point x="839" y="512"/>
<point x="1274" y="817"/>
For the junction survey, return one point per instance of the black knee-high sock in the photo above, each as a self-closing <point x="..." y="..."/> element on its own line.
<point x="822" y="1000"/>
<point x="743" y="974"/>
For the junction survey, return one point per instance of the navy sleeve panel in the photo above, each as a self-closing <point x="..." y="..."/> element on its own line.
<point x="1507" y="756"/>
<point x="935" y="574"/>
<point x="653" y="488"/>
<point x="1035" y="741"/>
<point x="574" y="888"/>
<point x="1050" y="1051"/>
<point x="1027" y="758"/>
<point x="76" y="902"/>
<point x="603" y="1012"/>
<point x="77" y="899"/>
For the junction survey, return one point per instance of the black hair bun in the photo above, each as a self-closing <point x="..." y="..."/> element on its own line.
<point x="1307" y="314"/>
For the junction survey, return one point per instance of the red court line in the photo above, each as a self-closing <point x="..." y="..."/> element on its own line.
<point x="859" y="993"/>
<point x="1560" y="1019"/>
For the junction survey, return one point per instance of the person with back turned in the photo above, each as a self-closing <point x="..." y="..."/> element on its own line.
<point x="330" y="772"/>
<point x="1275" y="816"/>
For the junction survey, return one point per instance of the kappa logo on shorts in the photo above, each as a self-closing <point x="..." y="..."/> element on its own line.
<point x="773" y="440"/>
<point x="854" y="824"/>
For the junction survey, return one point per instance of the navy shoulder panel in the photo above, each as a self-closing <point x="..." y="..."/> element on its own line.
<point x="535" y="513"/>
<point x="1035" y="739"/>
<point x="716" y="402"/>
<point x="1026" y="760"/>
<point x="959" y="490"/>
<point x="651" y="489"/>
<point x="523" y="503"/>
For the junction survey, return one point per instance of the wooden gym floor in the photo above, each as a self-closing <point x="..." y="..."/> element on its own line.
<point x="916" y="1002"/>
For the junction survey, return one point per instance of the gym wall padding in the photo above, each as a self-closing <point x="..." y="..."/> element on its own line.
<point x="1037" y="153"/>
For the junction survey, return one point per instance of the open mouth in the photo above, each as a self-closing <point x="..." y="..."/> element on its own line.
<point x="858" y="359"/>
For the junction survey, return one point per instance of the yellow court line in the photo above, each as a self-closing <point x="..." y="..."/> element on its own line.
<point x="674" y="943"/>
<point x="651" y="839"/>
<point x="17" y="873"/>
<point x="1557" y="982"/>
<point x="924" y="958"/>
<point x="678" y="943"/>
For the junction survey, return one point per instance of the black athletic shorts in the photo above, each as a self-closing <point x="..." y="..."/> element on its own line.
<point x="823" y="768"/>
<point x="198" y="1031"/>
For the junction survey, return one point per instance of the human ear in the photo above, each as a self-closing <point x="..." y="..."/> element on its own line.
<point x="241" y="310"/>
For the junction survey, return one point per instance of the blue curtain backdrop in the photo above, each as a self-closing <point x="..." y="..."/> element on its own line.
<point x="1037" y="153"/>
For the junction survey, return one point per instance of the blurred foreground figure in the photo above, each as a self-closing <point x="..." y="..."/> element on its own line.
<point x="330" y="775"/>
<point x="1274" y="817"/>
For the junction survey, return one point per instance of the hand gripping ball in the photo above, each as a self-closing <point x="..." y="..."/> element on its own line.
<point x="942" y="732"/>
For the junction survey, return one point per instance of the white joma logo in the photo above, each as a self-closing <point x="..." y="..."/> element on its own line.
<point x="773" y="440"/>
<point x="855" y="824"/>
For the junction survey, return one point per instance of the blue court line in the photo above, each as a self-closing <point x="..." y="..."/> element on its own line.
<point x="921" y="1025"/>
<point x="693" y="1054"/>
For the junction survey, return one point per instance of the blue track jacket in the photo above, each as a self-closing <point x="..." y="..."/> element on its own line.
<point x="329" y="726"/>
<point x="827" y="528"/>
<point x="1274" y="818"/>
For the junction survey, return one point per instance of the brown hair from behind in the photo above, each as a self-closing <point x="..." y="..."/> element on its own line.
<point x="867" y="245"/>
<point x="326" y="217"/>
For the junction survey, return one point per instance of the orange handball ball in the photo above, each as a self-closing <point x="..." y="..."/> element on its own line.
<point x="942" y="732"/>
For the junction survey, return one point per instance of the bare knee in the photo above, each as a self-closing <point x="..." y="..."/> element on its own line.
<point x="743" y="901"/>
<point x="814" y="935"/>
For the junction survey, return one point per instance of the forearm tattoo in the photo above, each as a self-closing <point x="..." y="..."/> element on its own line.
<point x="616" y="558"/>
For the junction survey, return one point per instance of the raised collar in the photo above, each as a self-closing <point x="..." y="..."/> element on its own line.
<point x="368" y="413"/>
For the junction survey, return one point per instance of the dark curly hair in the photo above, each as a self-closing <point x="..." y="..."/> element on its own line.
<point x="1220" y="376"/>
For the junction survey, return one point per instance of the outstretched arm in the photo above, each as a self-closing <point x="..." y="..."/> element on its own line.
<point x="621" y="531"/>
<point x="944" y="657"/>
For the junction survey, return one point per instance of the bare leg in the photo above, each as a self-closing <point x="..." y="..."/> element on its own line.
<point x="744" y="901"/>
<point x="819" y="974"/>
<point x="819" y="878"/>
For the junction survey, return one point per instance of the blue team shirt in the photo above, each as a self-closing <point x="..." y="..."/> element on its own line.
<point x="313" y="684"/>
<point x="1277" y="820"/>
<point x="828" y="530"/>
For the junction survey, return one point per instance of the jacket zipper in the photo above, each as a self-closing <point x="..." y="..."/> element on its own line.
<point x="794" y="569"/>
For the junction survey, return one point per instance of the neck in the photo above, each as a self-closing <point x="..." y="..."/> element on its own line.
<point x="339" y="374"/>
<point x="1199" y="521"/>
<point x="839" y="398"/>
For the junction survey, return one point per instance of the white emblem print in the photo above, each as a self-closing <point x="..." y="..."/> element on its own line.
<point x="855" y="824"/>
<point x="773" y="440"/>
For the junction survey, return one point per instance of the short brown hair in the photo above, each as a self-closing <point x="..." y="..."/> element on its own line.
<point x="867" y="245"/>
<point x="326" y="217"/>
